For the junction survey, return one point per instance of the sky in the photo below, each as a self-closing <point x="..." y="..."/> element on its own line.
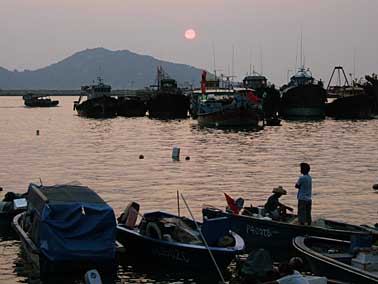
<point x="232" y="36"/>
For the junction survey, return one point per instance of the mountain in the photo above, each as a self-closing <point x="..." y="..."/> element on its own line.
<point x="121" y="69"/>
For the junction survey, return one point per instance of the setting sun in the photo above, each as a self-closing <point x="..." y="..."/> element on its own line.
<point x="190" y="34"/>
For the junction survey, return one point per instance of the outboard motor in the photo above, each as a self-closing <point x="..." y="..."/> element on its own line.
<point x="92" y="277"/>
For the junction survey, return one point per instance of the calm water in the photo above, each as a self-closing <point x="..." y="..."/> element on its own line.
<point x="104" y="155"/>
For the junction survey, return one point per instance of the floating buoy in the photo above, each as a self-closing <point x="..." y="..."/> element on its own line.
<point x="141" y="157"/>
<point x="187" y="158"/>
<point x="37" y="132"/>
<point x="176" y="153"/>
<point x="1" y="189"/>
<point x="375" y="186"/>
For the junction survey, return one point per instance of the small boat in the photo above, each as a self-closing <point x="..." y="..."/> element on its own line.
<point x="131" y="106"/>
<point x="338" y="259"/>
<point x="166" y="241"/>
<point x="168" y="101"/>
<point x="34" y="100"/>
<point x="99" y="102"/>
<point x="259" y="230"/>
<point x="11" y="205"/>
<point x="67" y="229"/>
<point x="303" y="97"/>
<point x="348" y="101"/>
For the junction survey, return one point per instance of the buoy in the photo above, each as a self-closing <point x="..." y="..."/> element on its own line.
<point x="37" y="132"/>
<point x="187" y="158"/>
<point x="375" y="186"/>
<point x="141" y="157"/>
<point x="1" y="189"/>
<point x="176" y="153"/>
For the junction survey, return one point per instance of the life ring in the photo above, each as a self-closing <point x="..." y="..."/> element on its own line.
<point x="153" y="231"/>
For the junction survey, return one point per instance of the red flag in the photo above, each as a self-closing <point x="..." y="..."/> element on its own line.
<point x="252" y="97"/>
<point x="231" y="204"/>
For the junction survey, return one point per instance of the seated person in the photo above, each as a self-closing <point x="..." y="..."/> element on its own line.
<point x="290" y="273"/>
<point x="276" y="209"/>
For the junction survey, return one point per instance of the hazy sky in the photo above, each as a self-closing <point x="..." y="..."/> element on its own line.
<point x="35" y="33"/>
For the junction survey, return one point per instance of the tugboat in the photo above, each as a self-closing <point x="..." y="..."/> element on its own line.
<point x="269" y="95"/>
<point x="303" y="97"/>
<point x="34" y="100"/>
<point x="348" y="101"/>
<point x="99" y="103"/>
<point x="168" y="101"/>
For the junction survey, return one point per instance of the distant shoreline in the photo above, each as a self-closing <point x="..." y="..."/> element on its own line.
<point x="69" y="93"/>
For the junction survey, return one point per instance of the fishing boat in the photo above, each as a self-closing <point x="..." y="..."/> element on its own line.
<point x="371" y="88"/>
<point x="269" y="95"/>
<point x="67" y="229"/>
<point x="260" y="231"/>
<point x="303" y="97"/>
<point x="168" y="101"/>
<point x="237" y="107"/>
<point x="338" y="259"/>
<point x="131" y="106"/>
<point x="170" y="242"/>
<point x="34" y="100"/>
<point x="99" y="102"/>
<point x="348" y="100"/>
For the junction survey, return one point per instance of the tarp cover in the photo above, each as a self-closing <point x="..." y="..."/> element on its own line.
<point x="76" y="230"/>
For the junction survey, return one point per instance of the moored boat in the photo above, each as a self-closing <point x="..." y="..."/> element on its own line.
<point x="338" y="259"/>
<point x="11" y="205"/>
<point x="168" y="101"/>
<point x="67" y="229"/>
<point x="34" y="100"/>
<point x="169" y="242"/>
<point x="260" y="231"/>
<point x="131" y="106"/>
<point x="303" y="97"/>
<point x="348" y="101"/>
<point x="99" y="102"/>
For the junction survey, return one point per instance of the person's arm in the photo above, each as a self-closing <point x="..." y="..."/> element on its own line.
<point x="298" y="184"/>
<point x="286" y="207"/>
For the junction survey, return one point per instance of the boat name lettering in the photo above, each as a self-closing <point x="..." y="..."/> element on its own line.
<point x="171" y="253"/>
<point x="263" y="232"/>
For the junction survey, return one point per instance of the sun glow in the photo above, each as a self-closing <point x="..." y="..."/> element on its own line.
<point x="190" y="34"/>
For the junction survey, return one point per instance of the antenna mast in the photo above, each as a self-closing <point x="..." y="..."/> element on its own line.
<point x="215" y="70"/>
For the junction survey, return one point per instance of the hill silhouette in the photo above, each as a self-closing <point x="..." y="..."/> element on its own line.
<point x="121" y="69"/>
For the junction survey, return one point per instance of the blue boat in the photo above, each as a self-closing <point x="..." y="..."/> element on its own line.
<point x="168" y="242"/>
<point x="66" y="230"/>
<point x="260" y="231"/>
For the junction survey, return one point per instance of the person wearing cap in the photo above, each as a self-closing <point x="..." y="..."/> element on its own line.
<point x="274" y="207"/>
<point x="304" y="196"/>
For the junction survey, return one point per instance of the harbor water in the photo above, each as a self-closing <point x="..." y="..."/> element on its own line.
<point x="105" y="154"/>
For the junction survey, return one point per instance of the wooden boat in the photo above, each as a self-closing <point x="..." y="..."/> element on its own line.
<point x="67" y="229"/>
<point x="336" y="259"/>
<point x="131" y="106"/>
<point x="169" y="242"/>
<point x="348" y="101"/>
<point x="34" y="100"/>
<point x="303" y="97"/>
<point x="237" y="107"/>
<point x="260" y="231"/>
<point x="168" y="101"/>
<point x="99" y="103"/>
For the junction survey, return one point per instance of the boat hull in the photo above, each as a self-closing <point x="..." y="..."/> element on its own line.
<point x="167" y="255"/>
<point x="357" y="106"/>
<point x="336" y="267"/>
<point x="131" y="107"/>
<point x="231" y="118"/>
<point x="168" y="106"/>
<point x="41" y="103"/>
<point x="100" y="107"/>
<point x="276" y="236"/>
<point x="303" y="101"/>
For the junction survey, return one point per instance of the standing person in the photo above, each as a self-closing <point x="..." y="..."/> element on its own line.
<point x="304" y="196"/>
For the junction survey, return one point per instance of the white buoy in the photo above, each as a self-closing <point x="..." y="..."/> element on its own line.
<point x="92" y="277"/>
<point x="176" y="153"/>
